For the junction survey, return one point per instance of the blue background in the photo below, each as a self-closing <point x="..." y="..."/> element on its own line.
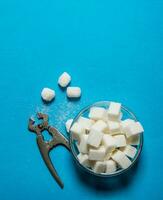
<point x="114" y="51"/>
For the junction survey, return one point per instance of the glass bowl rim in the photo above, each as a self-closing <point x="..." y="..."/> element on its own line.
<point x="86" y="169"/>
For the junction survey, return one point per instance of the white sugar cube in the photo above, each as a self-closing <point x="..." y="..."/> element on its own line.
<point x="120" y="140"/>
<point x="95" y="138"/>
<point x="47" y="94"/>
<point x="129" y="150"/>
<point x="134" y="129"/>
<point x="73" y="92"/>
<point x="99" y="126"/>
<point x="97" y="113"/>
<point x="99" y="167"/>
<point x="83" y="146"/>
<point x="125" y="124"/>
<point x="133" y="140"/>
<point x="114" y="127"/>
<point x="114" y="110"/>
<point x="76" y="131"/>
<point x="83" y="159"/>
<point x="121" y="159"/>
<point x="109" y="142"/>
<point x="97" y="154"/>
<point x="111" y="166"/>
<point x="86" y="123"/>
<point x="64" y="79"/>
<point x="68" y="124"/>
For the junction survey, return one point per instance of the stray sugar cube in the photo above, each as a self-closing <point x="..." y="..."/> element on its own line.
<point x="111" y="166"/>
<point x="95" y="138"/>
<point x="47" y="94"/>
<point x="97" y="154"/>
<point x="68" y="124"/>
<point x="73" y="92"/>
<point x="120" y="140"/>
<point x="64" y="79"/>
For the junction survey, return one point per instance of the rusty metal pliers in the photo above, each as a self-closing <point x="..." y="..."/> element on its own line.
<point x="46" y="146"/>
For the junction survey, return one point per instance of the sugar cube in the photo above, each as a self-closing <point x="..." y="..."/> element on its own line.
<point x="95" y="138"/>
<point x="109" y="142"/>
<point x="120" y="140"/>
<point x="83" y="146"/>
<point x="68" y="124"/>
<point x="97" y="113"/>
<point x="76" y="131"/>
<point x="114" y="110"/>
<point x="114" y="127"/>
<point x="64" y="79"/>
<point x="129" y="150"/>
<point x="86" y="123"/>
<point x="73" y="92"/>
<point x="110" y="166"/>
<point x="83" y="159"/>
<point x="97" y="154"/>
<point x="122" y="160"/>
<point x="99" y="125"/>
<point x="99" y="167"/>
<point x="134" y="129"/>
<point x="133" y="140"/>
<point x="47" y="94"/>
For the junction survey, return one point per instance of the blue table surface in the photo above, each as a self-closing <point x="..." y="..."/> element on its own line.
<point x="114" y="51"/>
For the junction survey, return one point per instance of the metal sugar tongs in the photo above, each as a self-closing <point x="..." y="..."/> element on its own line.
<point x="46" y="146"/>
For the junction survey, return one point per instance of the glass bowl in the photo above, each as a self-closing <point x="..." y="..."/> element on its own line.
<point x="127" y="114"/>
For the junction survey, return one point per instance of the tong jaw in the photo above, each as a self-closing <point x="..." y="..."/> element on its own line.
<point x="46" y="146"/>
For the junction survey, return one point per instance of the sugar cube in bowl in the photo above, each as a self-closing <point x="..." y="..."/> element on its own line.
<point x="113" y="139"/>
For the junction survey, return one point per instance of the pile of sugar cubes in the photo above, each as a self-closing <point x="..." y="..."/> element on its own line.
<point x="105" y="142"/>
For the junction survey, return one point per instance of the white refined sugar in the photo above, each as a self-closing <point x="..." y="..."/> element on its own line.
<point x="76" y="131"/>
<point x="99" y="125"/>
<point x="114" y="110"/>
<point x="133" y="140"/>
<point x="120" y="140"/>
<point x="83" y="159"/>
<point x="64" y="79"/>
<point x="129" y="150"/>
<point x="86" y="123"/>
<point x="68" y="124"/>
<point x="47" y="94"/>
<point x="121" y="159"/>
<point x="83" y="146"/>
<point x="114" y="127"/>
<point x="97" y="154"/>
<point x="109" y="142"/>
<point x="134" y="129"/>
<point x="110" y="166"/>
<point x="97" y="113"/>
<point x="99" y="167"/>
<point x="73" y="92"/>
<point x="95" y="138"/>
<point x="125" y="124"/>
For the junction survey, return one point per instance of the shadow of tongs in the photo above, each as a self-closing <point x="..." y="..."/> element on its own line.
<point x="46" y="146"/>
